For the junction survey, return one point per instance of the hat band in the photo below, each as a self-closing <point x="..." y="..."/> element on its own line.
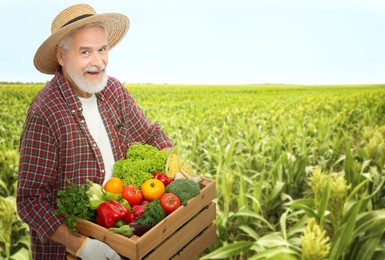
<point x="77" y="19"/>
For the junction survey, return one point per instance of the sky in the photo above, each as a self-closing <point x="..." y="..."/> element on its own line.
<point x="216" y="41"/>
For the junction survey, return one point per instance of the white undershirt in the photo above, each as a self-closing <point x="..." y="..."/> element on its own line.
<point x="98" y="132"/>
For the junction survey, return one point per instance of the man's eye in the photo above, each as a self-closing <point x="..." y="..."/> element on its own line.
<point x="85" y="52"/>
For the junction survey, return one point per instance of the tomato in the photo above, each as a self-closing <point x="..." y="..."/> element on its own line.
<point x="153" y="189"/>
<point x="114" y="185"/>
<point x="169" y="202"/>
<point x="132" y="194"/>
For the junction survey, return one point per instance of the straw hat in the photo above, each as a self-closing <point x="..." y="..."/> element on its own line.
<point x="71" y="18"/>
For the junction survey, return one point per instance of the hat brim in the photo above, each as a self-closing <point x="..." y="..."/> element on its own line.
<point x="117" y="26"/>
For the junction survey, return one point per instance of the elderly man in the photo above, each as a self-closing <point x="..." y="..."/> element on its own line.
<point x="80" y="123"/>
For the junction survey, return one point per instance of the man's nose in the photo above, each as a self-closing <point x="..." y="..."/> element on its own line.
<point x="97" y="59"/>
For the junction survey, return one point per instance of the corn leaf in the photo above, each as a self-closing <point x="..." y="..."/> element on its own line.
<point x="323" y="203"/>
<point x="250" y="232"/>
<point x="229" y="250"/>
<point x="365" y="249"/>
<point x="307" y="205"/>
<point x="348" y="165"/>
<point x="277" y="253"/>
<point x="248" y="213"/>
<point x="344" y="234"/>
<point x="272" y="240"/>
<point x="370" y="224"/>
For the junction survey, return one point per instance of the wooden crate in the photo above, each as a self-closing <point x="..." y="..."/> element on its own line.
<point x="183" y="234"/>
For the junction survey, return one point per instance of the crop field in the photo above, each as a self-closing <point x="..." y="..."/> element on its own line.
<point x="299" y="170"/>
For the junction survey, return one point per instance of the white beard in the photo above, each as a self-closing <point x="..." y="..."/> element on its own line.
<point x="87" y="87"/>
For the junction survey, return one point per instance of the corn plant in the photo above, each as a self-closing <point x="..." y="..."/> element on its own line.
<point x="262" y="144"/>
<point x="14" y="238"/>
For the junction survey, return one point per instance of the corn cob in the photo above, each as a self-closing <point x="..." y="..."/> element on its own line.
<point x="185" y="170"/>
<point x="173" y="164"/>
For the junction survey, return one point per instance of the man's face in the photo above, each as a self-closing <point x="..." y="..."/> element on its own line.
<point x="84" y="61"/>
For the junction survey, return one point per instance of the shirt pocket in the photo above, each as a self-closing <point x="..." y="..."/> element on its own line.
<point x="124" y="133"/>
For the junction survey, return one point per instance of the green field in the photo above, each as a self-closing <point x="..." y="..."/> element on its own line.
<point x="299" y="169"/>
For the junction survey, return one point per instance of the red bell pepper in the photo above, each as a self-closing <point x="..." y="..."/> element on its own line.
<point x="109" y="212"/>
<point x="163" y="178"/>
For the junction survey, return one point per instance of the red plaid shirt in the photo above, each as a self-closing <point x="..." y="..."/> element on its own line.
<point x="56" y="145"/>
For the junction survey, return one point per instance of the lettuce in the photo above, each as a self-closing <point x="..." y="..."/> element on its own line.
<point x="141" y="161"/>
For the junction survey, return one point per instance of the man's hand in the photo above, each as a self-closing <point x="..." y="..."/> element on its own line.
<point x="93" y="249"/>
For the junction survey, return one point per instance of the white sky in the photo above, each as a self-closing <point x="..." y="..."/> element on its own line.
<point x="217" y="41"/>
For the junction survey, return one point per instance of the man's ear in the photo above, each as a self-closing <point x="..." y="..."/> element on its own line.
<point x="60" y="56"/>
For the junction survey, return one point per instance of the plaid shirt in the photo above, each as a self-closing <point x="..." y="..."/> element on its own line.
<point x="56" y="144"/>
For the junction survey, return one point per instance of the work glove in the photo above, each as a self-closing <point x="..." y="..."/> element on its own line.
<point x="93" y="249"/>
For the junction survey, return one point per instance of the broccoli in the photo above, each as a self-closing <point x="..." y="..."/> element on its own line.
<point x="141" y="161"/>
<point x="184" y="189"/>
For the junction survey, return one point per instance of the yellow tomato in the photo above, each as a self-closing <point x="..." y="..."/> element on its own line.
<point x="114" y="185"/>
<point x="153" y="189"/>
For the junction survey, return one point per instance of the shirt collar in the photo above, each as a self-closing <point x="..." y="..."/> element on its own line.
<point x="69" y="95"/>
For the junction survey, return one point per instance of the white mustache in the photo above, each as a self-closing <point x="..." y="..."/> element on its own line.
<point x="94" y="68"/>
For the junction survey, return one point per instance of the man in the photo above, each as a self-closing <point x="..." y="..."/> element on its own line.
<point x="80" y="123"/>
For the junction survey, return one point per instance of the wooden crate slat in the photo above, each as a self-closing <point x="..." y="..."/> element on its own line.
<point x="184" y="235"/>
<point x="198" y="244"/>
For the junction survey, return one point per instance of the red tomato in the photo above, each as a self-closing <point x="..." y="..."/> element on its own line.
<point x="132" y="194"/>
<point x="169" y="202"/>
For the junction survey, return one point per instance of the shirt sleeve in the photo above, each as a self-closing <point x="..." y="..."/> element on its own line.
<point x="37" y="172"/>
<point x="140" y="127"/>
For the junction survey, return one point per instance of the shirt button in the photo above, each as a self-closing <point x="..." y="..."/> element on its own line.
<point x="102" y="171"/>
<point x="73" y="111"/>
<point x="94" y="144"/>
<point x="82" y="121"/>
